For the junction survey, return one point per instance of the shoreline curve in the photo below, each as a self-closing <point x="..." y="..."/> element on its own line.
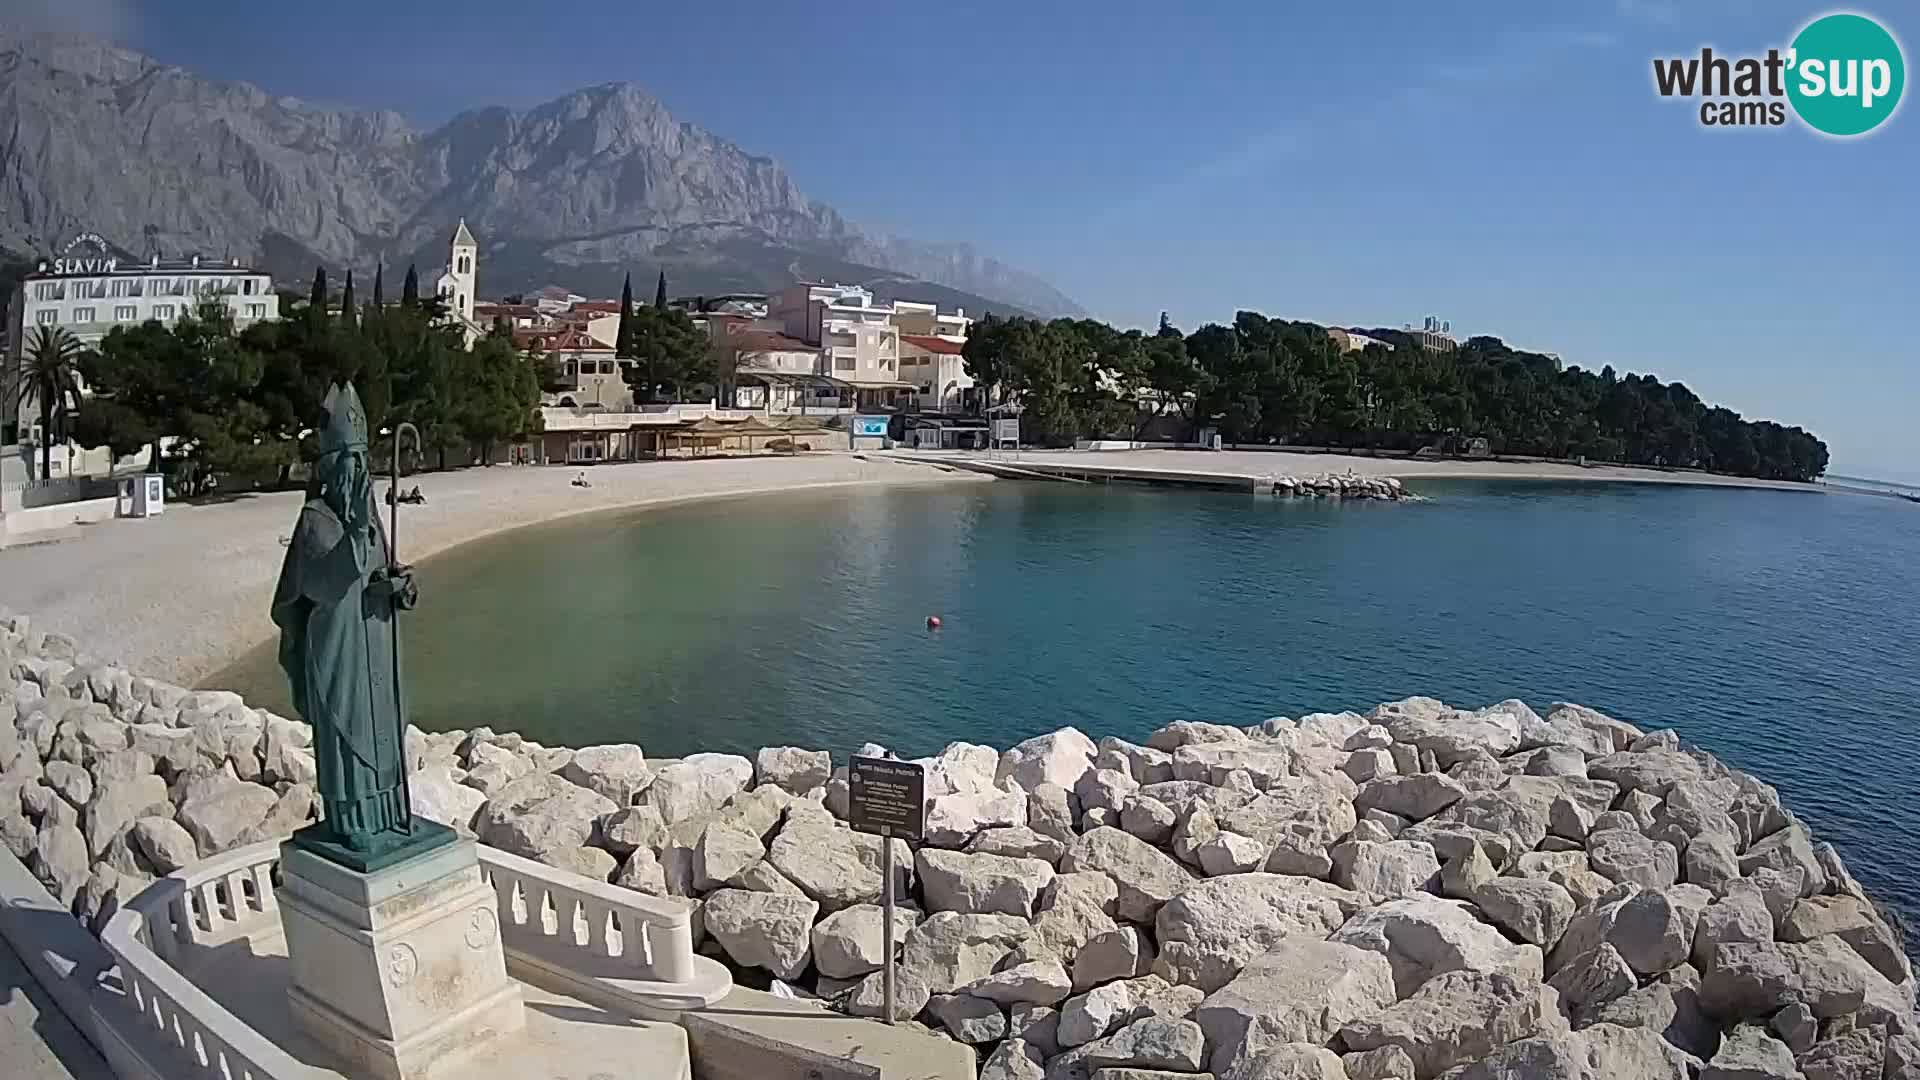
<point x="183" y="596"/>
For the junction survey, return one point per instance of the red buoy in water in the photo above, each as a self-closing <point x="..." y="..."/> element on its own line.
<point x="933" y="622"/>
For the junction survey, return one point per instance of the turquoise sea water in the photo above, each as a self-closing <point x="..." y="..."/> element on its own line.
<point x="1778" y="630"/>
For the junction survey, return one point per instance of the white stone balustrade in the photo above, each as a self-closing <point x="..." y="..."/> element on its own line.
<point x="624" y="951"/>
<point x="620" y="949"/>
<point x="203" y="906"/>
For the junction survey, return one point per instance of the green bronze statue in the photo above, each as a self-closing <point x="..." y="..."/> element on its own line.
<point x="340" y="592"/>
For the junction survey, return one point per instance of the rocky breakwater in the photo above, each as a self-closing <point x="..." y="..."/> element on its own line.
<point x="1338" y="486"/>
<point x="1417" y="892"/>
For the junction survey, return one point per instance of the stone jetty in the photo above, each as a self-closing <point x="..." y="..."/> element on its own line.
<point x="1419" y="891"/>
<point x="1337" y="486"/>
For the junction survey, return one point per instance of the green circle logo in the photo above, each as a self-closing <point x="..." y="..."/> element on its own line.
<point x="1845" y="74"/>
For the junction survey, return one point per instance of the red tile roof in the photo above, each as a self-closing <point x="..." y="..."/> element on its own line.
<point x="933" y="344"/>
<point x="601" y="307"/>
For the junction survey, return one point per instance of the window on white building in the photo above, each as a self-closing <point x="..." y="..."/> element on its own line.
<point x="47" y="290"/>
<point x="256" y="311"/>
<point x="48" y="317"/>
<point x="163" y="311"/>
<point x="83" y="314"/>
<point x="843" y="363"/>
<point x="125" y="313"/>
<point x="123" y="287"/>
<point x="249" y="285"/>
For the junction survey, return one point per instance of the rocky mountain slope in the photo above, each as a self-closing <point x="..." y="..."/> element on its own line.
<point x="577" y="190"/>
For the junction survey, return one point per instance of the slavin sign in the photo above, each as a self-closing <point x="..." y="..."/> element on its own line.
<point x="87" y="253"/>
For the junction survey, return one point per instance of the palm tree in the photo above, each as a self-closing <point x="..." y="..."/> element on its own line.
<point x="48" y="375"/>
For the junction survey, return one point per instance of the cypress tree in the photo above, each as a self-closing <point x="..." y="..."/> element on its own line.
<point x="347" y="315"/>
<point x="623" y="337"/>
<point x="410" y="288"/>
<point x="660" y="293"/>
<point x="317" y="299"/>
<point x="379" y="291"/>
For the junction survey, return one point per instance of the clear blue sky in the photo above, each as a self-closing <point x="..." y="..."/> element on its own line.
<point x="1505" y="165"/>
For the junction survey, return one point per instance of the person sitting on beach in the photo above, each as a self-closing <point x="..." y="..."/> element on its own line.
<point x="580" y="480"/>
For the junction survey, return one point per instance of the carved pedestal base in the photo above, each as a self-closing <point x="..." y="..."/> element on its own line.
<point x="399" y="971"/>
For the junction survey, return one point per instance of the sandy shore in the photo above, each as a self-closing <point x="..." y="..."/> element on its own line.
<point x="185" y="594"/>
<point x="1259" y="463"/>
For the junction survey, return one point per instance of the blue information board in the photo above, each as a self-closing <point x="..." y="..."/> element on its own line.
<point x="869" y="427"/>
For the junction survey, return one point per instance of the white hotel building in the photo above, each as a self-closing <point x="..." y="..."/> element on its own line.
<point x="87" y="291"/>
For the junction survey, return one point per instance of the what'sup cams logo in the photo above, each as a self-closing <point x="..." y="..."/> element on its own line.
<point x="1842" y="76"/>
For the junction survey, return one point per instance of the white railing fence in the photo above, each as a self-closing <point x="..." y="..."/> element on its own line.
<point x="622" y="950"/>
<point x="203" y="906"/>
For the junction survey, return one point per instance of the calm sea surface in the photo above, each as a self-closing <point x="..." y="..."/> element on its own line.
<point x="1780" y="631"/>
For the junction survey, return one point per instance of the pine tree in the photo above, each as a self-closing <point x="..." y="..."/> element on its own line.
<point x="660" y="293"/>
<point x="348" y="316"/>
<point x="317" y="299"/>
<point x="379" y="291"/>
<point x="410" y="289"/>
<point x="623" y="337"/>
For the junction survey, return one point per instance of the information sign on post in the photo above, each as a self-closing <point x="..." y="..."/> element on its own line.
<point x="888" y="799"/>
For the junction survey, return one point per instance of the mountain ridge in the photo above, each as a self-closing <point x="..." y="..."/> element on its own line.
<point x="576" y="190"/>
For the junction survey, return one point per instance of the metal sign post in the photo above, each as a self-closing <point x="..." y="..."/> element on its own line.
<point x="886" y="920"/>
<point x="886" y="798"/>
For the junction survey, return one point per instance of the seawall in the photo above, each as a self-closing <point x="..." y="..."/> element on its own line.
<point x="1400" y="893"/>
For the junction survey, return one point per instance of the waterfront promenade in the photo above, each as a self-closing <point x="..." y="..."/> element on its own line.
<point x="182" y="595"/>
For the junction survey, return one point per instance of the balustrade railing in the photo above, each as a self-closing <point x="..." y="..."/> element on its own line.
<point x="204" y="905"/>
<point x="622" y="950"/>
<point x="610" y="945"/>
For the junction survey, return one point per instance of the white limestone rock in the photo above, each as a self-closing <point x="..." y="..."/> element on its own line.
<point x="540" y="815"/>
<point x="792" y="768"/>
<point x="763" y="930"/>
<point x="1786" y="850"/>
<point x="1302" y="991"/>
<point x="1154" y="1042"/>
<point x="832" y="864"/>
<point x="1121" y="953"/>
<point x="967" y="1018"/>
<point x="1146" y="876"/>
<point x="164" y="843"/>
<point x="642" y="872"/>
<point x="1534" y="910"/>
<point x="1414" y="796"/>
<point x="954" y="819"/>
<point x="725" y="851"/>
<point x="849" y="942"/>
<point x="1211" y="929"/>
<point x="1750" y="1052"/>
<point x="1626" y="855"/>
<point x="1147" y="765"/>
<point x="1105" y="789"/>
<point x="981" y="884"/>
<point x="60" y="861"/>
<point x="1037" y="982"/>
<point x="218" y="818"/>
<point x="1016" y="842"/>
<point x="1230" y="853"/>
<point x="1061" y="757"/>
<point x="631" y="828"/>
<point x="1390" y="869"/>
<point x="1592" y="979"/>
<point x="1425" y="936"/>
<point x="434" y="794"/>
<point x="116" y="803"/>
<point x="695" y="785"/>
<point x="1458" y="1017"/>
<point x="1149" y="819"/>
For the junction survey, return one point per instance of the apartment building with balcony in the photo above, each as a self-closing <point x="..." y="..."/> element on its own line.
<point x="859" y="343"/>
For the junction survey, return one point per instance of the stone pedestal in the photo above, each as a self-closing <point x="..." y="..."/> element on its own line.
<point x="399" y="970"/>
